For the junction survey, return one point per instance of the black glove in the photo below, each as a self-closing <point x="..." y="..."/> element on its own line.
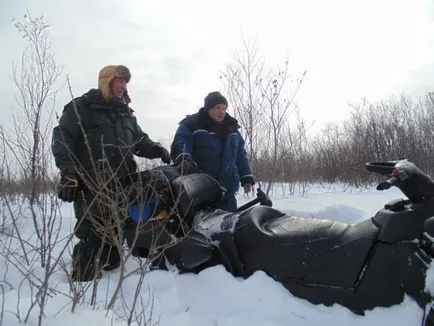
<point x="67" y="190"/>
<point x="186" y="164"/>
<point x="165" y="156"/>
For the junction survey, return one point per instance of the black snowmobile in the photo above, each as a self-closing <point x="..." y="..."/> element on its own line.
<point x="370" y="264"/>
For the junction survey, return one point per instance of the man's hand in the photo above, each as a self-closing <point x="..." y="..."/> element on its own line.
<point x="247" y="183"/>
<point x="67" y="190"/>
<point x="247" y="188"/>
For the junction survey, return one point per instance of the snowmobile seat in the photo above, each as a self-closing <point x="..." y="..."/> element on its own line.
<point x="308" y="249"/>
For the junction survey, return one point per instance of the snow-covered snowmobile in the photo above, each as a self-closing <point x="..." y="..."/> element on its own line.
<point x="370" y="264"/>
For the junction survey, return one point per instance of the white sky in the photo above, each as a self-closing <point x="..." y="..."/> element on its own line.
<point x="175" y="49"/>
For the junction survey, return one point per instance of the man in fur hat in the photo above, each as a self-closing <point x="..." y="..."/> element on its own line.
<point x="94" y="146"/>
<point x="209" y="141"/>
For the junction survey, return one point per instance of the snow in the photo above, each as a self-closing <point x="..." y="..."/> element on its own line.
<point x="213" y="297"/>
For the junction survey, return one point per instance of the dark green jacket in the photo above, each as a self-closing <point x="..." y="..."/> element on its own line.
<point x="91" y="130"/>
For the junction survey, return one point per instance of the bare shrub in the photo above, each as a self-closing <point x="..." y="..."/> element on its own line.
<point x="263" y="102"/>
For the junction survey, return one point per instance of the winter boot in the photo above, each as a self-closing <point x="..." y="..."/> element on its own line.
<point x="84" y="268"/>
<point x="112" y="260"/>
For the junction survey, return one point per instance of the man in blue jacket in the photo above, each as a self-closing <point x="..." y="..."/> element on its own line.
<point x="209" y="142"/>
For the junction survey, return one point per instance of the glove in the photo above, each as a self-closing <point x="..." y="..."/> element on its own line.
<point x="187" y="165"/>
<point x="67" y="189"/>
<point x="165" y="156"/>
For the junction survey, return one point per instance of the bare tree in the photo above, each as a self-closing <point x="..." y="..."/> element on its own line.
<point x="263" y="101"/>
<point x="243" y="78"/>
<point x="279" y="107"/>
<point x="35" y="77"/>
<point x="27" y="161"/>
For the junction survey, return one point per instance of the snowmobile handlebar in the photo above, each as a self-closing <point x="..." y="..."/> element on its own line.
<point x="382" y="167"/>
<point x="261" y="197"/>
<point x="406" y="176"/>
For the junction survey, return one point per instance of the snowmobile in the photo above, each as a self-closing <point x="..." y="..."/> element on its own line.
<point x="373" y="263"/>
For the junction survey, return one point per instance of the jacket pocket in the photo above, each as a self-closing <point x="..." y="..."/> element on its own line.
<point x="126" y="132"/>
<point x="205" y="146"/>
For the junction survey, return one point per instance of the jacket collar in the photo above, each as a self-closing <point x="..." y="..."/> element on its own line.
<point x="94" y="96"/>
<point x="229" y="123"/>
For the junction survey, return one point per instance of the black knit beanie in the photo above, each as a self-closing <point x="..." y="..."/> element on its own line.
<point x="214" y="98"/>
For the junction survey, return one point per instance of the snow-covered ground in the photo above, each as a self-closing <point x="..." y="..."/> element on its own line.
<point x="212" y="297"/>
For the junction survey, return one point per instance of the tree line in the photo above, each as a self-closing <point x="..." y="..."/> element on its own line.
<point x="282" y="148"/>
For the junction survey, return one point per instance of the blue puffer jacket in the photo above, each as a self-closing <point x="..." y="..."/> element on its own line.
<point x="218" y="149"/>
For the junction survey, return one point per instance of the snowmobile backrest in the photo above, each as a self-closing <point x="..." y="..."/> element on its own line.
<point x="194" y="192"/>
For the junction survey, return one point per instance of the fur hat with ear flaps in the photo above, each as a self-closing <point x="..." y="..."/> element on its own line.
<point x="107" y="74"/>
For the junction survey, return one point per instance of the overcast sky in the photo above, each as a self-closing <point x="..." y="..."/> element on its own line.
<point x="175" y="49"/>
